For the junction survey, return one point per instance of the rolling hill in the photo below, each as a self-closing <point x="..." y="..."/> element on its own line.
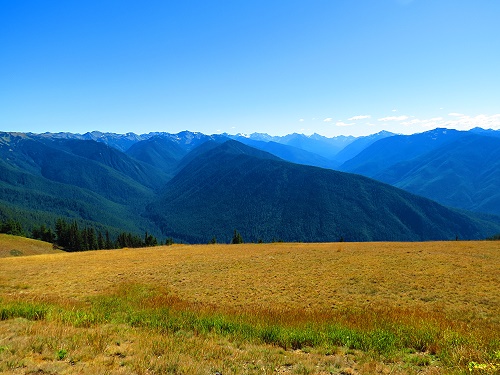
<point x="14" y="246"/>
<point x="233" y="186"/>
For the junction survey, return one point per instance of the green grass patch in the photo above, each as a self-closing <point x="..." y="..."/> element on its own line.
<point x="26" y="310"/>
<point x="417" y="345"/>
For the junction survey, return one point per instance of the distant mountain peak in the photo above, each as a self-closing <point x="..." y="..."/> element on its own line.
<point x="438" y="131"/>
<point x="232" y="146"/>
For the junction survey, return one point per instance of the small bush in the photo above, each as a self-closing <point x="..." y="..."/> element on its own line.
<point x="61" y="354"/>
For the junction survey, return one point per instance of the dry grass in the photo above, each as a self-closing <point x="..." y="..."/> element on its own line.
<point x="450" y="289"/>
<point x="36" y="347"/>
<point x="13" y="246"/>
<point x="454" y="277"/>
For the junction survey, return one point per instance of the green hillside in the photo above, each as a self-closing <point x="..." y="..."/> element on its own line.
<point x="40" y="181"/>
<point x="236" y="187"/>
<point x="159" y="152"/>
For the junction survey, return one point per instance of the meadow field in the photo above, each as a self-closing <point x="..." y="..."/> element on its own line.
<point x="282" y="308"/>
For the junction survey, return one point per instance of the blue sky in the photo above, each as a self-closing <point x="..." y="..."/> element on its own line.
<point x="276" y="66"/>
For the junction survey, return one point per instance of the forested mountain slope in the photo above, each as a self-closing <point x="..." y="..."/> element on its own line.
<point x="358" y="145"/>
<point x="160" y="152"/>
<point x="193" y="187"/>
<point x="391" y="150"/>
<point x="233" y="186"/>
<point x="42" y="179"/>
<point x="290" y="153"/>
<point x="464" y="174"/>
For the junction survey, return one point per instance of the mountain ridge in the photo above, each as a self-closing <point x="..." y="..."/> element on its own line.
<point x="268" y="198"/>
<point x="219" y="182"/>
<point x="463" y="174"/>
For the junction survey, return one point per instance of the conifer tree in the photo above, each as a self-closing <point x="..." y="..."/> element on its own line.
<point x="75" y="238"/>
<point x="150" y="240"/>
<point x="237" y="238"/>
<point x="91" y="239"/>
<point x="43" y="233"/>
<point x="100" y="241"/>
<point x="62" y="233"/>
<point x="12" y="227"/>
<point x="108" y="244"/>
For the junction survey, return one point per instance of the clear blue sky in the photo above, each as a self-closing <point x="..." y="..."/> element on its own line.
<point x="277" y="66"/>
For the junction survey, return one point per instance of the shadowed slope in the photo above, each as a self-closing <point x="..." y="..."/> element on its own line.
<point x="391" y="150"/>
<point x="233" y="186"/>
<point x="464" y="174"/>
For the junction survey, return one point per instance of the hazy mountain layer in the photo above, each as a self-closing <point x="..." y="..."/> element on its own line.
<point x="391" y="150"/>
<point x="464" y="173"/>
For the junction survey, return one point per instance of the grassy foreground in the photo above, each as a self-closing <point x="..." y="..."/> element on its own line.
<point x="339" y="308"/>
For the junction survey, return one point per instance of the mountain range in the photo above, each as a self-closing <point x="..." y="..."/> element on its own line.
<point x="194" y="187"/>
<point x="454" y="168"/>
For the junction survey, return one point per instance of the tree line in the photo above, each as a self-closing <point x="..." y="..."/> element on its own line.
<point x="71" y="237"/>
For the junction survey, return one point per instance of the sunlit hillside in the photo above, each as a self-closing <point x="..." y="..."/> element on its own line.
<point x="14" y="246"/>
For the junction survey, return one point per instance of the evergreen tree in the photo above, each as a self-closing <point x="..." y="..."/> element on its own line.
<point x="150" y="240"/>
<point x="100" y="241"/>
<point x="75" y="238"/>
<point x="12" y="227"/>
<point x="62" y="233"/>
<point x="121" y="240"/>
<point x="49" y="236"/>
<point x="91" y="239"/>
<point x="43" y="234"/>
<point x="84" y="243"/>
<point x="129" y="240"/>
<point x="108" y="244"/>
<point x="237" y="238"/>
<point x="71" y="238"/>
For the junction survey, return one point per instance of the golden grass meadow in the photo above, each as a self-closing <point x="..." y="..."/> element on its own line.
<point x="19" y="246"/>
<point x="282" y="308"/>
